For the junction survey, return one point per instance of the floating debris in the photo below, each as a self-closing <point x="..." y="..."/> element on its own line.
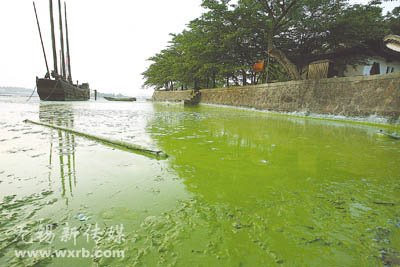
<point x="113" y="143"/>
<point x="82" y="217"/>
<point x="392" y="135"/>
<point x="384" y="203"/>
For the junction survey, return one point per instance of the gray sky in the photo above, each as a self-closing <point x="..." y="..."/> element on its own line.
<point x="109" y="40"/>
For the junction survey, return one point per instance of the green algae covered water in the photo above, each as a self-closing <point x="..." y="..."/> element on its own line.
<point x="240" y="188"/>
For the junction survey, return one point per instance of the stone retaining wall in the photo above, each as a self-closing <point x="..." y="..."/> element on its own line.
<point x="349" y="96"/>
<point x="172" y="96"/>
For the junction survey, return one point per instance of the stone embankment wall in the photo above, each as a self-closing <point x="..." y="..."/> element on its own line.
<point x="349" y="96"/>
<point x="172" y="96"/>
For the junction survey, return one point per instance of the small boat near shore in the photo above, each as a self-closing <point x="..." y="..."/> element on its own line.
<point x="124" y="99"/>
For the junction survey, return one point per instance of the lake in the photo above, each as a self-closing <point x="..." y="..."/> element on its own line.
<point x="239" y="188"/>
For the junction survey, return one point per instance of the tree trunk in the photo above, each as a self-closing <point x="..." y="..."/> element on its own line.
<point x="213" y="80"/>
<point x="235" y="80"/>
<point x="244" y="76"/>
<point x="289" y="67"/>
<point x="282" y="59"/>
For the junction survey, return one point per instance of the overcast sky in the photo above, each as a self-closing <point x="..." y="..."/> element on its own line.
<point x="109" y="40"/>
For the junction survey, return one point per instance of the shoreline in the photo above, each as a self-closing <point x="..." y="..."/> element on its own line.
<point x="373" y="120"/>
<point x="373" y="100"/>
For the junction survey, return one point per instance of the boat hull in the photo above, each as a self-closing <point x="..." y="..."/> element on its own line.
<point x="124" y="99"/>
<point x="60" y="90"/>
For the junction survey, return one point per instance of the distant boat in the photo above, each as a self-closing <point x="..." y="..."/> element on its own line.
<point x="126" y="99"/>
<point x="59" y="87"/>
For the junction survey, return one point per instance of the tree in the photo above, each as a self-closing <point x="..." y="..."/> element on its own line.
<point x="280" y="14"/>
<point x="393" y="19"/>
<point x="220" y="46"/>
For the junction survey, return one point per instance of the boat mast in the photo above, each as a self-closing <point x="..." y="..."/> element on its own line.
<point x="62" y="41"/>
<point x="53" y="40"/>
<point x="60" y="58"/>
<point x="66" y="36"/>
<point x="41" y="39"/>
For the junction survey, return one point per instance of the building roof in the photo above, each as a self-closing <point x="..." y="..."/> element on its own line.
<point x="362" y="51"/>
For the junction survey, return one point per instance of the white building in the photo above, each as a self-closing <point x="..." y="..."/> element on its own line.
<point x="374" y="65"/>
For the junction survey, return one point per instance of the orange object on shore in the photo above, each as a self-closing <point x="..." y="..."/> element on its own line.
<point x="259" y="66"/>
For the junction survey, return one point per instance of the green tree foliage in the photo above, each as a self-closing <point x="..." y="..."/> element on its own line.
<point x="393" y="19"/>
<point x="220" y="47"/>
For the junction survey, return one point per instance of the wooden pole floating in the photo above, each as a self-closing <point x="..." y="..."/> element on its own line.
<point x="41" y="39"/>
<point x="53" y="38"/>
<point x="109" y="142"/>
<point x="63" y="71"/>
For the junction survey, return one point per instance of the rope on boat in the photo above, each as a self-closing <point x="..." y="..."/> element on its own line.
<point x="52" y="91"/>
<point x="109" y="142"/>
<point x="32" y="94"/>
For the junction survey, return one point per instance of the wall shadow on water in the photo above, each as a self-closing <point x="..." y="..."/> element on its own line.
<point x="271" y="189"/>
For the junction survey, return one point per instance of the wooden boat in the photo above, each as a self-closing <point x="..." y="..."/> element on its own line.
<point x="59" y="86"/>
<point x="61" y="90"/>
<point x="126" y="99"/>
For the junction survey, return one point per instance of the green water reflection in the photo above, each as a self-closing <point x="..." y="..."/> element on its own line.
<point x="279" y="190"/>
<point x="61" y="115"/>
<point x="240" y="188"/>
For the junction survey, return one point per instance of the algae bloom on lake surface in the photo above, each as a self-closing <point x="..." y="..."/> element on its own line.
<point x="239" y="188"/>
